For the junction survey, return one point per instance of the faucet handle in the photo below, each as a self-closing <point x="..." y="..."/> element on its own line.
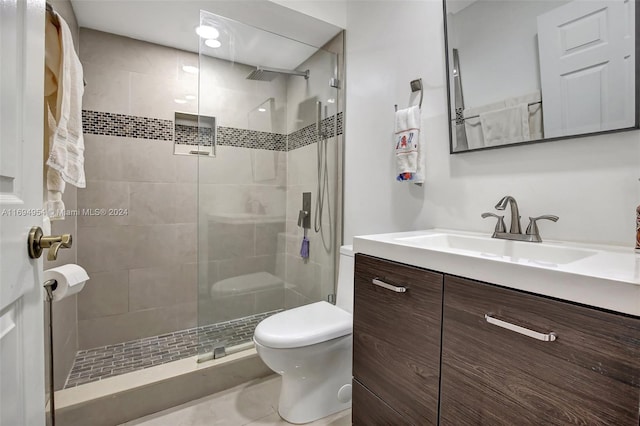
<point x="500" y="226"/>
<point x="532" y="229"/>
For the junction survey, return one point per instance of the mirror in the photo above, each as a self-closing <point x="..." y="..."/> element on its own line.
<point x="531" y="71"/>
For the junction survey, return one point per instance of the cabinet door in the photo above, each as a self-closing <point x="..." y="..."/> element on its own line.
<point x="396" y="336"/>
<point x="369" y="410"/>
<point x="589" y="375"/>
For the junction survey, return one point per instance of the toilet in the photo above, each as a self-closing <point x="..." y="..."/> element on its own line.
<point x="310" y="347"/>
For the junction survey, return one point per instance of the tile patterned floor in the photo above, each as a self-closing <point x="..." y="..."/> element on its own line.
<point x="107" y="361"/>
<point x="252" y="404"/>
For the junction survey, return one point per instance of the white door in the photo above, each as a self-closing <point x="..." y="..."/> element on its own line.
<point x="587" y="66"/>
<point x="22" y="397"/>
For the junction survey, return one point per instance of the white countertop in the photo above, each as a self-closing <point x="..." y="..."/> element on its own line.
<point x="608" y="277"/>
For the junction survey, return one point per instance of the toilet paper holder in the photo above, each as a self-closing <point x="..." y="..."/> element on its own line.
<point x="37" y="242"/>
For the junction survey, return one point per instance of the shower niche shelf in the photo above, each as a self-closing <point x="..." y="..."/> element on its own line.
<point x="194" y="135"/>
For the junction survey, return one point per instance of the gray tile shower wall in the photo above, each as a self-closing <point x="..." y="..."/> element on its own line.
<point x="142" y="257"/>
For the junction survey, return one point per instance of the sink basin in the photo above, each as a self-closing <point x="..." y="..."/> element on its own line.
<point x="496" y="248"/>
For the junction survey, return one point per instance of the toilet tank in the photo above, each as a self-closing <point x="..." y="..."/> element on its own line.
<point x="344" y="292"/>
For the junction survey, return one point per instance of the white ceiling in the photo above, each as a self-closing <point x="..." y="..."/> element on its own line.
<point x="287" y="38"/>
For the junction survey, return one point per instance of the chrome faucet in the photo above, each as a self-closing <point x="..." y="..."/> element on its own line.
<point x="532" y="233"/>
<point x="515" y="213"/>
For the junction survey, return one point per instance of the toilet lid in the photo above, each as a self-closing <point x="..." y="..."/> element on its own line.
<point x="304" y="326"/>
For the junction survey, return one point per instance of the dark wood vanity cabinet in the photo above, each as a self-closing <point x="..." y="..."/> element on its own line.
<point x="507" y="358"/>
<point x="588" y="375"/>
<point x="396" y="341"/>
<point x="371" y="410"/>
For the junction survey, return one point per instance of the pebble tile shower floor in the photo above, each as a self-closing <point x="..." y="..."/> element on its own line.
<point x="91" y="365"/>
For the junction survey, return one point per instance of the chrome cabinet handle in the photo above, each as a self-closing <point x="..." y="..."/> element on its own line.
<point x="380" y="283"/>
<point x="549" y="337"/>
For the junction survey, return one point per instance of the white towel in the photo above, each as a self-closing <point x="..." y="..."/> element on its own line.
<point x="534" y="100"/>
<point x="66" y="142"/>
<point x="507" y="125"/>
<point x="409" y="161"/>
<point x="472" y="125"/>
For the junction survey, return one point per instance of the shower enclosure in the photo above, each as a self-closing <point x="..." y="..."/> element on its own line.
<point x="209" y="155"/>
<point x="275" y="102"/>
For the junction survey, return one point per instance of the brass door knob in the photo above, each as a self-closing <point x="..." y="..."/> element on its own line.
<point x="37" y="242"/>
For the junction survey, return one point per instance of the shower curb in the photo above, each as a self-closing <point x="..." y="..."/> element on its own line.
<point x="133" y="395"/>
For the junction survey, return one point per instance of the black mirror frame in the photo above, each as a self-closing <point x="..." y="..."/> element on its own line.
<point x="581" y="135"/>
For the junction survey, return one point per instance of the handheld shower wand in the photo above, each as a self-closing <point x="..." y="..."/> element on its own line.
<point x="323" y="169"/>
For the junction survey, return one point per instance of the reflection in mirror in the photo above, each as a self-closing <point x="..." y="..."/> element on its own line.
<point x="528" y="71"/>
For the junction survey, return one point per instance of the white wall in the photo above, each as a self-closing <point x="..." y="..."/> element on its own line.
<point x="591" y="183"/>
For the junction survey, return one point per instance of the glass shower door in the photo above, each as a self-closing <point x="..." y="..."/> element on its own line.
<point x="260" y="90"/>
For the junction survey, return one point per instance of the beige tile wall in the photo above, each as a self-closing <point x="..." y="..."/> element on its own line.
<point x="143" y="263"/>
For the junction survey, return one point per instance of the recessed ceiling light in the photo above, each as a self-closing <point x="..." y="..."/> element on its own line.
<point x="207" y="31"/>
<point x="190" y="69"/>
<point x="190" y="97"/>
<point x="180" y="101"/>
<point x="212" y="43"/>
<point x="262" y="109"/>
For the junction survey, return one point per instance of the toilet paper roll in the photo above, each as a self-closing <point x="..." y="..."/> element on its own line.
<point x="70" y="279"/>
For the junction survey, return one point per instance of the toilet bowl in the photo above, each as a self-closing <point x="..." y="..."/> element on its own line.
<point x="310" y="347"/>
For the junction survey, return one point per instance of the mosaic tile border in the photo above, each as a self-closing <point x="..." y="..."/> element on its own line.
<point x="193" y="135"/>
<point x="122" y="125"/>
<point x="107" y="361"/>
<point x="129" y="126"/>
<point x="242" y="138"/>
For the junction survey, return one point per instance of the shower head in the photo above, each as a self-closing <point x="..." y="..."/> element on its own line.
<point x="268" y="74"/>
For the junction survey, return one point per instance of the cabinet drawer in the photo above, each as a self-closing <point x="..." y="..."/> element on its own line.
<point x="589" y="375"/>
<point x="396" y="336"/>
<point x="369" y="410"/>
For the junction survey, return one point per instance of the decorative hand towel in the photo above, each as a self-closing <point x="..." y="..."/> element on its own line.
<point x="66" y="142"/>
<point x="508" y="125"/>
<point x="407" y="145"/>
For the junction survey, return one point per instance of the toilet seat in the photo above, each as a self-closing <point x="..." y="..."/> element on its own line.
<point x="304" y="326"/>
